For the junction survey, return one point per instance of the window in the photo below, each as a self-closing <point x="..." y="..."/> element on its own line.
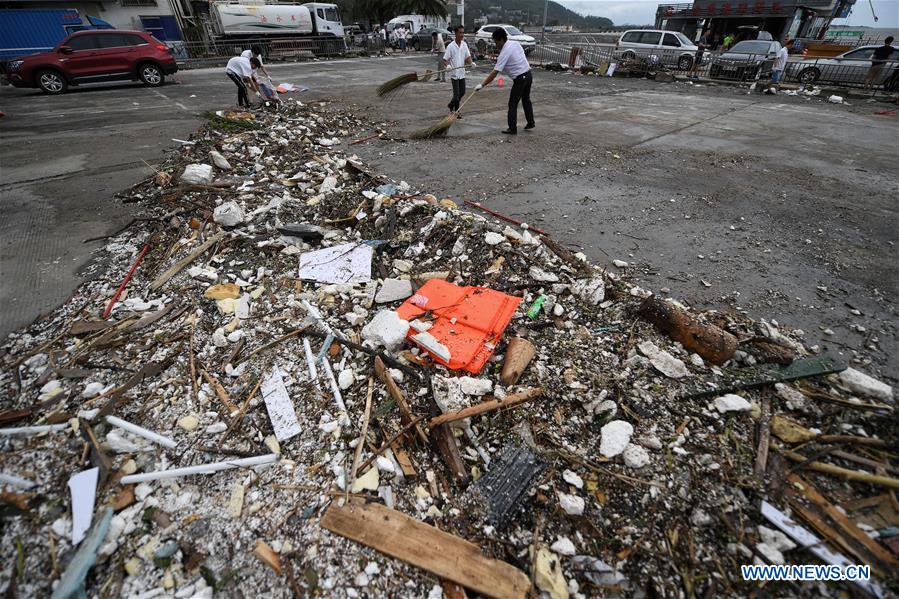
<point x="670" y="40"/>
<point x="332" y="15"/>
<point x="752" y="47"/>
<point x="863" y="54"/>
<point x="136" y="40"/>
<point x="631" y="36"/>
<point x="684" y="40"/>
<point x="114" y="40"/>
<point x="83" y="42"/>
<point x="650" y="37"/>
<point x="513" y="31"/>
<point x="321" y="13"/>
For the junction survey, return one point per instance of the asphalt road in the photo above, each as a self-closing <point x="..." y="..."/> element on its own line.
<point x="782" y="206"/>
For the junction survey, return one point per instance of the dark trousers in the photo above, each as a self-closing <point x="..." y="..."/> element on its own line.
<point x="458" y="93"/>
<point x="521" y="92"/>
<point x="243" y="99"/>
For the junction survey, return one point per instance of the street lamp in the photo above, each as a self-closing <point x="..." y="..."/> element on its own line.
<point x="543" y="31"/>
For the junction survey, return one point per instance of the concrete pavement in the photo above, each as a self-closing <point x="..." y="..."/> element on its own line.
<point x="727" y="199"/>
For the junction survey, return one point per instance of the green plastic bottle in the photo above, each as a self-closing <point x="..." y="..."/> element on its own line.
<point x="534" y="310"/>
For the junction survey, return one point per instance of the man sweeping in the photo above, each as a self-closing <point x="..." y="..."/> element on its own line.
<point x="455" y="58"/>
<point x="514" y="63"/>
<point x="240" y="71"/>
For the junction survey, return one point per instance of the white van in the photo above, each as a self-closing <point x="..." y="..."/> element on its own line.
<point x="673" y="47"/>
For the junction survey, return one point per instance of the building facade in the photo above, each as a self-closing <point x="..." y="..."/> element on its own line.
<point x="781" y="18"/>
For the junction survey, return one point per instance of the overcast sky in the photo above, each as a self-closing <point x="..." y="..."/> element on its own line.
<point x="642" y="12"/>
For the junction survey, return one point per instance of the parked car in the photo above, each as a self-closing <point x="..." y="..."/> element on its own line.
<point x="423" y="40"/>
<point x="672" y="47"/>
<point x="486" y="33"/>
<point x="94" y="57"/>
<point x="745" y="60"/>
<point x="849" y="67"/>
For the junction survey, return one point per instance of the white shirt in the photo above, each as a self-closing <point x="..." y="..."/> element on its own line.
<point x="440" y="46"/>
<point x="780" y="63"/>
<point x="248" y="54"/>
<point x="512" y="60"/>
<point x="455" y="56"/>
<point x="240" y="66"/>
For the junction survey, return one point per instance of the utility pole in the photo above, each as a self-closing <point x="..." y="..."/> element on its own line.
<point x="543" y="31"/>
<point x="462" y="11"/>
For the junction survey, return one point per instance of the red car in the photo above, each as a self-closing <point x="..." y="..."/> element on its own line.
<point x="94" y="57"/>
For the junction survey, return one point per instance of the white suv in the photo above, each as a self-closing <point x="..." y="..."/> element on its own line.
<point x="485" y="33"/>
<point x="673" y="47"/>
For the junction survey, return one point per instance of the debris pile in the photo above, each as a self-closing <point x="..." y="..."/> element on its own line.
<point x="320" y="381"/>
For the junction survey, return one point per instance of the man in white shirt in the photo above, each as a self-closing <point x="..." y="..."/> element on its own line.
<point x="456" y="57"/>
<point x="401" y="37"/>
<point x="514" y="63"/>
<point x="256" y="51"/>
<point x="780" y="63"/>
<point x="240" y="71"/>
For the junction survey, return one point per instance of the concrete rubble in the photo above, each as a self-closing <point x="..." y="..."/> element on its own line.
<point x="265" y="381"/>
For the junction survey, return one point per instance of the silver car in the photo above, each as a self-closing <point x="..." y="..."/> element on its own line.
<point x="849" y="67"/>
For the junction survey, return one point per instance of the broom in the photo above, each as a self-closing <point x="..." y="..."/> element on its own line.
<point x="397" y="82"/>
<point x="444" y="125"/>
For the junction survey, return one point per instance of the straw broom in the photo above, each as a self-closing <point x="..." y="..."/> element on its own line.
<point x="396" y="83"/>
<point x="444" y="125"/>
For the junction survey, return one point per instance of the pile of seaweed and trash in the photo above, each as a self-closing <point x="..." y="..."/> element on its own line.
<point x="295" y="377"/>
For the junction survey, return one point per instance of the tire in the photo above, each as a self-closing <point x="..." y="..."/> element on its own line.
<point x="685" y="63"/>
<point x="808" y="76"/>
<point x="415" y="45"/>
<point x="51" y="82"/>
<point x="628" y="55"/>
<point x="151" y="74"/>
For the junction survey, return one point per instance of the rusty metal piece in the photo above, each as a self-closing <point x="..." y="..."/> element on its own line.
<point x="712" y="343"/>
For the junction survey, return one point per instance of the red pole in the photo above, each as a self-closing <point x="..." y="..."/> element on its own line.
<point x="503" y="216"/>
<point x="125" y="282"/>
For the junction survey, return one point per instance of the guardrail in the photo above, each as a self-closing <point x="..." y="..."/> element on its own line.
<point x="716" y="66"/>
<point x="215" y="52"/>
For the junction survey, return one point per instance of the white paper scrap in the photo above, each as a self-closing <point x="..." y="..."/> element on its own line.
<point x="345" y="263"/>
<point x="83" y="487"/>
<point x="280" y="408"/>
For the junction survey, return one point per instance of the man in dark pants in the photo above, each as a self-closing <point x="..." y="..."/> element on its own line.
<point x="514" y="63"/>
<point x="455" y="57"/>
<point x="240" y="71"/>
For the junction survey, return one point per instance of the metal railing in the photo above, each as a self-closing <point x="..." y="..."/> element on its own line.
<point x="293" y="49"/>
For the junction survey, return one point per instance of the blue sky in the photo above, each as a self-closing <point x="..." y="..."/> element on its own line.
<point x="642" y="12"/>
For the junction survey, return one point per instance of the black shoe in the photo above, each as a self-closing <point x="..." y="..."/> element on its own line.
<point x="458" y="116"/>
<point x="510" y="132"/>
<point x="530" y="126"/>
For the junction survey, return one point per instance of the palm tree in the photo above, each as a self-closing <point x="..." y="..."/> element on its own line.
<point x="428" y="8"/>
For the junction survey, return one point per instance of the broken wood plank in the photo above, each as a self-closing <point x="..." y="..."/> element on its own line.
<point x="488" y="406"/>
<point x="219" y="391"/>
<point x="423" y="546"/>
<point x="390" y="442"/>
<point x="365" y="419"/>
<point x="404" y="460"/>
<point x="397" y="394"/>
<point x="883" y="481"/>
<point x="843" y="522"/>
<point x="179" y="266"/>
<point x="761" y="458"/>
<point x="445" y="444"/>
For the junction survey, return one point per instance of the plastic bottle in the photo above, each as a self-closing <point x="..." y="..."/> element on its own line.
<point x="534" y="310"/>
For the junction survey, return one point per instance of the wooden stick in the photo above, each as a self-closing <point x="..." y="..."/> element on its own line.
<point x="883" y="481"/>
<point x="761" y="459"/>
<point x="851" y="439"/>
<point x="272" y="344"/>
<point x="178" y="266"/>
<point x="863" y="461"/>
<point x="488" y="406"/>
<point x="397" y="395"/>
<point x="361" y="444"/>
<point x="240" y="414"/>
<point x="219" y="391"/>
<point x="193" y="359"/>
<point x="843" y="522"/>
<point x="390" y="442"/>
<point x="445" y="443"/>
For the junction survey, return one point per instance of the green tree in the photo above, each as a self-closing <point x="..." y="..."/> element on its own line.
<point x="428" y="8"/>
